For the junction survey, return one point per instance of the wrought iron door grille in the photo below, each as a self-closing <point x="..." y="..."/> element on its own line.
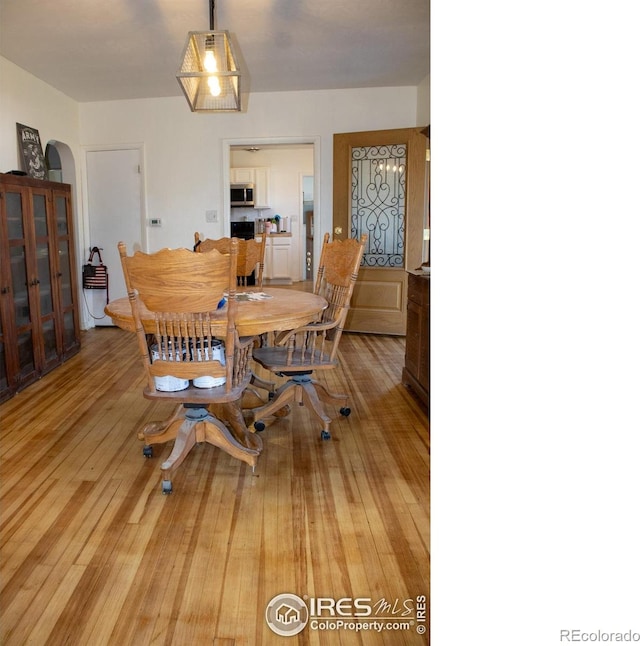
<point x="378" y="202"/>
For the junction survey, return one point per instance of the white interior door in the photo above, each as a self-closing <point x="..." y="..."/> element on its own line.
<point x="115" y="214"/>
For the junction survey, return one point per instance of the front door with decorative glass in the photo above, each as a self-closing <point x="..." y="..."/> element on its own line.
<point x="379" y="189"/>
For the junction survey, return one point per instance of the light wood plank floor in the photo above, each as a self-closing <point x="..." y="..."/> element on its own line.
<point x="92" y="553"/>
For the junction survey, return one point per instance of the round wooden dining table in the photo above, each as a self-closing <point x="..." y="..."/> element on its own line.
<point x="281" y="309"/>
<point x="271" y="310"/>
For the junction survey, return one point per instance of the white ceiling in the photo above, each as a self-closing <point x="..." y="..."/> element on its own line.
<point x="127" y="49"/>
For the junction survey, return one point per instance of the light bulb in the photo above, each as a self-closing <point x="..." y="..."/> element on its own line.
<point x="210" y="62"/>
<point x="211" y="65"/>
<point x="214" y="86"/>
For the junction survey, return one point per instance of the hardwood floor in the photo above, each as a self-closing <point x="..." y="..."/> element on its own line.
<point x="92" y="553"/>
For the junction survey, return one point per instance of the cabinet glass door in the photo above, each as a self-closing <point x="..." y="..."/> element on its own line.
<point x="4" y="305"/>
<point x="63" y="275"/>
<point x="62" y="224"/>
<point x="15" y="225"/>
<point x="44" y="278"/>
<point x="42" y="281"/>
<point x="4" y="379"/>
<point x="40" y="214"/>
<point x="20" y="285"/>
<point x="45" y="289"/>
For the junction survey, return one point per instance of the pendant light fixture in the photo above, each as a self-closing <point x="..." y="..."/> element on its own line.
<point x="209" y="75"/>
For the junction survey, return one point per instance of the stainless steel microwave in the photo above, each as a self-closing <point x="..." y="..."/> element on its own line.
<point x="242" y="194"/>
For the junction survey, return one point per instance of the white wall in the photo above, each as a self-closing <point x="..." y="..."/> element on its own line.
<point x="185" y="169"/>
<point x="424" y="102"/>
<point x="27" y="100"/>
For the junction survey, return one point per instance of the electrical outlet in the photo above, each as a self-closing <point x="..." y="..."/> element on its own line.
<point x="211" y="216"/>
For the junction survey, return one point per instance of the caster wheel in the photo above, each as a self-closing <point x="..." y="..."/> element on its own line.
<point x="167" y="487"/>
<point x="147" y="451"/>
<point x="346" y="411"/>
<point x="325" y="435"/>
<point x="259" y="426"/>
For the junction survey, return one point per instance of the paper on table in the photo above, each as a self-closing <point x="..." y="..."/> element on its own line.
<point x="252" y="296"/>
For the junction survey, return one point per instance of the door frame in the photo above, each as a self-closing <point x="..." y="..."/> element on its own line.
<point x="303" y="232"/>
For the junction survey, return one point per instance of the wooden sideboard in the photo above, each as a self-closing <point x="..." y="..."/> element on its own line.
<point x="416" y="372"/>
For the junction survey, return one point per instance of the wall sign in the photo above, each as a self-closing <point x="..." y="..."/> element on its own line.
<point x="33" y="162"/>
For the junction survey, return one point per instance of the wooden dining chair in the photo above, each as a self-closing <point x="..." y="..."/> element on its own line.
<point x="250" y="258"/>
<point x="250" y="255"/>
<point x="299" y="353"/>
<point x="186" y="363"/>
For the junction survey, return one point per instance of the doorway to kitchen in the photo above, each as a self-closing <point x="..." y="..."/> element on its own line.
<point x="289" y="165"/>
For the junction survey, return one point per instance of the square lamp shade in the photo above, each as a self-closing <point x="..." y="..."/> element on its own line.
<point x="209" y="74"/>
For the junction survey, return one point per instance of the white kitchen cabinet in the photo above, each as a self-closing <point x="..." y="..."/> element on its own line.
<point x="278" y="259"/>
<point x="261" y="182"/>
<point x="259" y="177"/>
<point x="242" y="175"/>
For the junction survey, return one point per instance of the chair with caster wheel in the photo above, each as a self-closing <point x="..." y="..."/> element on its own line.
<point x="297" y="354"/>
<point x="196" y="358"/>
<point x="250" y="260"/>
